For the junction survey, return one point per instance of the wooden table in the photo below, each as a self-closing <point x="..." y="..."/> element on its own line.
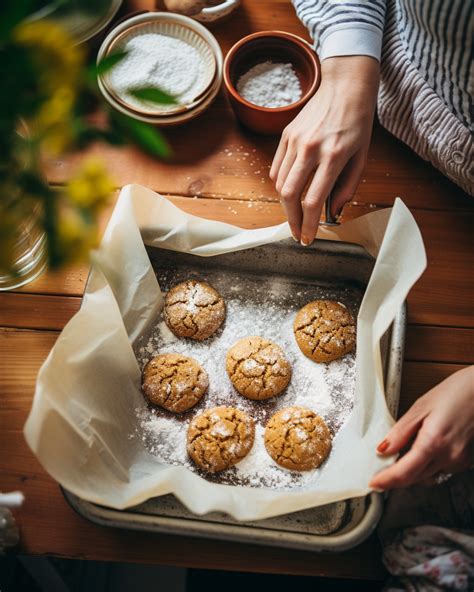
<point x="220" y="172"/>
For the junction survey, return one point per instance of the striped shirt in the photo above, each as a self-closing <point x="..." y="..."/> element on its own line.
<point x="427" y="79"/>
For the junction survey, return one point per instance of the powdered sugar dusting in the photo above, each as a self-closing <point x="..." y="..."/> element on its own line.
<point x="270" y="84"/>
<point x="161" y="61"/>
<point x="255" y="306"/>
<point x="221" y="429"/>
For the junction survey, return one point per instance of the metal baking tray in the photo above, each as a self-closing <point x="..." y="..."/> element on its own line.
<point x="333" y="527"/>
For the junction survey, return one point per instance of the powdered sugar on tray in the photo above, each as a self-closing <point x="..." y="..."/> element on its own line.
<point x="255" y="306"/>
<point x="270" y="85"/>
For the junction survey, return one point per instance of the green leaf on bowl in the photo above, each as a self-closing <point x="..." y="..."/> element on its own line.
<point x="106" y="64"/>
<point x="152" y="95"/>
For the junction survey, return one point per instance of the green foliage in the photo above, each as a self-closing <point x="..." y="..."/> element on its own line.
<point x="106" y="64"/>
<point x="147" y="137"/>
<point x="152" y="95"/>
<point x="45" y="83"/>
<point x="13" y="12"/>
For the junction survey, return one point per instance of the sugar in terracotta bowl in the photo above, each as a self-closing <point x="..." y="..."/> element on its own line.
<point x="273" y="46"/>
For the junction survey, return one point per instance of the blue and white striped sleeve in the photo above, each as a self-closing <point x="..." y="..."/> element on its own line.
<point x="341" y="28"/>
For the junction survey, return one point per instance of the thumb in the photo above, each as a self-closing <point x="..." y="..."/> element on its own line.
<point x="402" y="431"/>
<point x="347" y="183"/>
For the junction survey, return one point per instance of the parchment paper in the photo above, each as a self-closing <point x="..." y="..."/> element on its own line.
<point x="89" y="386"/>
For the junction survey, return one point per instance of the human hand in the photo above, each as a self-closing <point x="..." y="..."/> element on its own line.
<point x="331" y="134"/>
<point x="442" y="423"/>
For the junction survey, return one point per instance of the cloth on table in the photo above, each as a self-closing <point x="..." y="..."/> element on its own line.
<point x="428" y="537"/>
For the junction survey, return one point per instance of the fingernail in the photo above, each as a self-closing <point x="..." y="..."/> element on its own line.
<point x="382" y="447"/>
<point x="374" y="486"/>
<point x="305" y="241"/>
<point x="294" y="237"/>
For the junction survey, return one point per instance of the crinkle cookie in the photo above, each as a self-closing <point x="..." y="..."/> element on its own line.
<point x="194" y="309"/>
<point x="325" y="330"/>
<point x="219" y="438"/>
<point x="297" y="439"/>
<point x="174" y="382"/>
<point x="258" y="368"/>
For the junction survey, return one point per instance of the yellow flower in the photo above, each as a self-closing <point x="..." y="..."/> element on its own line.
<point x="91" y="187"/>
<point x="53" y="121"/>
<point x="54" y="51"/>
<point x="58" y="63"/>
<point x="76" y="237"/>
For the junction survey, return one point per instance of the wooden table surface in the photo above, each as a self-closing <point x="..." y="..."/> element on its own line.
<point x="220" y="171"/>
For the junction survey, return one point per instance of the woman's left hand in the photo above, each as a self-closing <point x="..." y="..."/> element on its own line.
<point x="442" y="426"/>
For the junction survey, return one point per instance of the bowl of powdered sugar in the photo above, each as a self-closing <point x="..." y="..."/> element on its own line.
<point x="165" y="51"/>
<point x="269" y="77"/>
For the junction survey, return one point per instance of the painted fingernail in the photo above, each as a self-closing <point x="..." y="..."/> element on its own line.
<point x="382" y="447"/>
<point x="305" y="241"/>
<point x="294" y="237"/>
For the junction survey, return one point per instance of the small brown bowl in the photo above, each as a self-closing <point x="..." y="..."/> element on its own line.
<point x="273" y="46"/>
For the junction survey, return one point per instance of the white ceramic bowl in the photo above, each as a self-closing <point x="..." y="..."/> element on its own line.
<point x="173" y="25"/>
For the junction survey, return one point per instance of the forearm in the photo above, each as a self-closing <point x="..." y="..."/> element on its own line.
<point x="359" y="73"/>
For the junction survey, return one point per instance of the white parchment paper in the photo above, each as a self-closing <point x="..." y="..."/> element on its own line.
<point x="89" y="386"/>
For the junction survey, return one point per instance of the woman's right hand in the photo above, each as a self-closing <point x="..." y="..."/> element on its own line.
<point x="330" y="135"/>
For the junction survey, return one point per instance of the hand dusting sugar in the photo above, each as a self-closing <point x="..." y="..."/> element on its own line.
<point x="270" y="85"/>
<point x="255" y="306"/>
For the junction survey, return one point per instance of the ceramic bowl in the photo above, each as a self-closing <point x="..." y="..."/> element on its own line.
<point x="174" y="25"/>
<point x="273" y="46"/>
<point x="171" y="120"/>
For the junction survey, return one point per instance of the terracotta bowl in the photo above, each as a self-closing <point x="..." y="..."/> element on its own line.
<point x="274" y="46"/>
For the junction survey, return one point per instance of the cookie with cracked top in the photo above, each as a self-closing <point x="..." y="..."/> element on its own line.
<point x="325" y="330"/>
<point x="219" y="438"/>
<point x="258" y="368"/>
<point x="194" y="309"/>
<point x="297" y="439"/>
<point x="174" y="382"/>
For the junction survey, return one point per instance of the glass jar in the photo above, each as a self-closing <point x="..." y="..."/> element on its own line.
<point x="28" y="249"/>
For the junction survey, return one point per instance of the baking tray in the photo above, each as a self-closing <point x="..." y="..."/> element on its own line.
<point x="333" y="527"/>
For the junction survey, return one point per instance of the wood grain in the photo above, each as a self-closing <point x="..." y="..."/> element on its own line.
<point x="36" y="311"/>
<point x="70" y="281"/>
<point x="425" y="343"/>
<point x="419" y="377"/>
